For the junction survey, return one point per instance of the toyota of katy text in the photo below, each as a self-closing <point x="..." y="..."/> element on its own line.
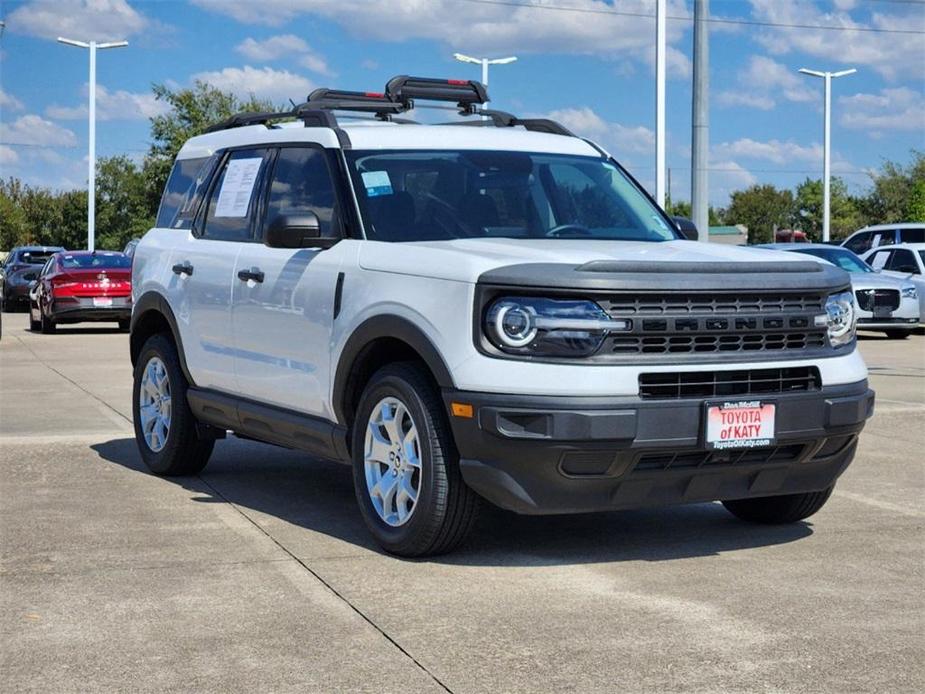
<point x="490" y="310"/>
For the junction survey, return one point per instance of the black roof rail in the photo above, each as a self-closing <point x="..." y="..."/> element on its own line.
<point x="364" y="102"/>
<point x="239" y="120"/>
<point x="465" y="93"/>
<point x="502" y="119"/>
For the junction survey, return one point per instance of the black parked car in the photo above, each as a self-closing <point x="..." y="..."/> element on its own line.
<point x="22" y="266"/>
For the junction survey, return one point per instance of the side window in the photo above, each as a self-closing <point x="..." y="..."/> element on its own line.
<point x="859" y="242"/>
<point x="302" y="183"/>
<point x="183" y="191"/>
<point x="878" y="260"/>
<point x="230" y="212"/>
<point x="903" y="261"/>
<point x="912" y="235"/>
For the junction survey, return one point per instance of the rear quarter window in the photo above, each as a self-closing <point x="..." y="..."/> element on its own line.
<point x="184" y="190"/>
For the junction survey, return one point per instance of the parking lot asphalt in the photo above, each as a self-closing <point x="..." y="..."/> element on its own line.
<point x="259" y="575"/>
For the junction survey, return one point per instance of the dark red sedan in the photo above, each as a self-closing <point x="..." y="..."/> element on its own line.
<point x="78" y="286"/>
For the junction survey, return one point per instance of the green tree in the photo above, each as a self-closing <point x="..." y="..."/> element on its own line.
<point x="895" y="190"/>
<point x="845" y="217"/>
<point x="916" y="207"/>
<point x="191" y="112"/>
<point x="121" y="202"/>
<point x="763" y="209"/>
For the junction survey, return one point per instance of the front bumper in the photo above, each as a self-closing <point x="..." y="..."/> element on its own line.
<point x="906" y="315"/>
<point x="542" y="454"/>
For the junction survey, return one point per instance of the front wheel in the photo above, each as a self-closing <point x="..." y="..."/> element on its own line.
<point x="774" y="510"/>
<point x="124" y="325"/>
<point x="165" y="428"/>
<point x="406" y="468"/>
<point x="46" y="324"/>
<point x="898" y="334"/>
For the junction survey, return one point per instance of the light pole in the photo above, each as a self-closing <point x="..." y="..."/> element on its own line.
<point x="484" y="62"/>
<point x="827" y="143"/>
<point x="660" y="56"/>
<point x="91" y="164"/>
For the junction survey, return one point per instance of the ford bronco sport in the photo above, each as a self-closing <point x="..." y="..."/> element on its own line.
<point x="492" y="309"/>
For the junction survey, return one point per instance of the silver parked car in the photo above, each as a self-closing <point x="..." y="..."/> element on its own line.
<point x="884" y="303"/>
<point x="905" y="261"/>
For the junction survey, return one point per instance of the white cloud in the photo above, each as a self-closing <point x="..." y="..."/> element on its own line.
<point x="263" y="83"/>
<point x="35" y="130"/>
<point x="85" y="20"/>
<point x="117" y="105"/>
<point x="892" y="109"/>
<point x="8" y="155"/>
<point x="284" y="45"/>
<point x="9" y="102"/>
<point x="489" y="28"/>
<point x="619" y="139"/>
<point x="890" y="54"/>
<point x="764" y="80"/>
<point x="775" y="151"/>
<point x="726" y="176"/>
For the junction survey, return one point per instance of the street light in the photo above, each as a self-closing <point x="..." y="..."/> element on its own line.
<point x="91" y="165"/>
<point x="484" y="62"/>
<point x="827" y="142"/>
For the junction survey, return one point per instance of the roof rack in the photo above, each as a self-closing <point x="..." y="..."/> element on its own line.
<point x="399" y="96"/>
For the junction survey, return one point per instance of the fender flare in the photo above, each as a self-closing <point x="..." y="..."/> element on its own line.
<point x="154" y="302"/>
<point x="391" y="326"/>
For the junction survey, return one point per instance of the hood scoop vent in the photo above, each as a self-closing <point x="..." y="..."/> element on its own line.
<point x="685" y="268"/>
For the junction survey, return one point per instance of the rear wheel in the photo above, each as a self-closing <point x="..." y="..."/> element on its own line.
<point x="788" y="508"/>
<point x="5" y="304"/>
<point x="406" y="468"/>
<point x="125" y="324"/>
<point x="46" y="324"/>
<point x="898" y="334"/>
<point x="165" y="428"/>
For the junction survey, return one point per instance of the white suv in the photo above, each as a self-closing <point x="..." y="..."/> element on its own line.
<point x="495" y="312"/>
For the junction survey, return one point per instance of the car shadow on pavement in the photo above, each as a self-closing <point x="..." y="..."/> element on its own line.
<point x="319" y="496"/>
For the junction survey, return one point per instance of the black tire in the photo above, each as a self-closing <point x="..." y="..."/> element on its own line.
<point x="6" y="306"/>
<point x="34" y="325"/>
<point x="46" y="324"/>
<point x="184" y="452"/>
<point x="446" y="508"/>
<point x="124" y="325"/>
<point x="773" y="510"/>
<point x="898" y="334"/>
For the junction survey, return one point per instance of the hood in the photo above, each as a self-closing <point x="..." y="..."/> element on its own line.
<point x="877" y="280"/>
<point x="465" y="260"/>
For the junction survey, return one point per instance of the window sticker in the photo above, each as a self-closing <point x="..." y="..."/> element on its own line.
<point x="235" y="196"/>
<point x="377" y="183"/>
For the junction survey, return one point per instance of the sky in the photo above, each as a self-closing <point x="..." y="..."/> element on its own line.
<point x="587" y="63"/>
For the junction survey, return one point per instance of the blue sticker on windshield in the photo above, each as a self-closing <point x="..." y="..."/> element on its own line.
<point x="377" y="183"/>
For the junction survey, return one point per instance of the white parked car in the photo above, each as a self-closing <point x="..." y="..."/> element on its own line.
<point x="878" y="235"/>
<point x="883" y="303"/>
<point x="902" y="261"/>
<point x="485" y="310"/>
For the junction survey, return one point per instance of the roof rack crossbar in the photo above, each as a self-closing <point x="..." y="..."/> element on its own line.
<point x="466" y="94"/>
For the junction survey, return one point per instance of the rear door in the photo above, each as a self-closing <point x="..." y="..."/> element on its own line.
<point x="283" y="322"/>
<point x="203" y="262"/>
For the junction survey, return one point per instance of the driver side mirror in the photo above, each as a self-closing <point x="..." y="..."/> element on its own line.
<point x="297" y="231"/>
<point x="687" y="228"/>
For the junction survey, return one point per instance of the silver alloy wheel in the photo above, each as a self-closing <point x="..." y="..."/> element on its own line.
<point x="154" y="405"/>
<point x="392" y="459"/>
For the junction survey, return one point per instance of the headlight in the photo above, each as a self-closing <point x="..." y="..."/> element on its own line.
<point x="909" y="292"/>
<point x="839" y="318"/>
<point x="548" y="327"/>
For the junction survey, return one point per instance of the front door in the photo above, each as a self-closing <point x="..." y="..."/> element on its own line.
<point x="284" y="298"/>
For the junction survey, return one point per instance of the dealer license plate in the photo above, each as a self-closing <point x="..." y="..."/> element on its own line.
<point x="740" y="424"/>
<point x="102" y="301"/>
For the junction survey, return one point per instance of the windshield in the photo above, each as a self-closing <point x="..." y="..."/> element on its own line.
<point x="922" y="256"/>
<point x="96" y="260"/>
<point x="433" y="195"/>
<point x="846" y="260"/>
<point x="37" y="257"/>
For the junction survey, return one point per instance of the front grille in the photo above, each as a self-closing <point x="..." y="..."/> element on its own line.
<point x="708" y="384"/>
<point x="711" y="304"/>
<point x="692" y="324"/>
<point x="869" y="299"/>
<point x="701" y="459"/>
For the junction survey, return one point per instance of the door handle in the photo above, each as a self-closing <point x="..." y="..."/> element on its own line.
<point x="184" y="268"/>
<point x="252" y="274"/>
